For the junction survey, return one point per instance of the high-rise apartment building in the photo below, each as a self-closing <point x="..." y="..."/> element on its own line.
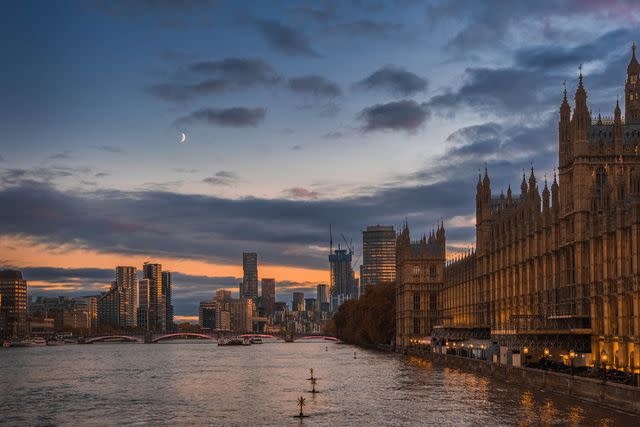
<point x="110" y="309"/>
<point x="167" y="286"/>
<point x="13" y="304"/>
<point x="269" y="296"/>
<point x="249" y="288"/>
<point x="343" y="283"/>
<point x="143" y="303"/>
<point x="157" y="306"/>
<point x="127" y="283"/>
<point x="378" y="256"/>
<point x="241" y="314"/>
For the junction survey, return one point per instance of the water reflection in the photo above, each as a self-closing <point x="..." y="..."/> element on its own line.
<point x="201" y="383"/>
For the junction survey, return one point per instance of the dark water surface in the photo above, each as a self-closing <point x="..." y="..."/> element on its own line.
<point x="196" y="383"/>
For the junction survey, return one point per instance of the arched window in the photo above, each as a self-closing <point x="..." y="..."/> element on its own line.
<point x="432" y="271"/>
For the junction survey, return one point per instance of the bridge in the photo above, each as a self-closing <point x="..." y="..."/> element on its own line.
<point x="151" y="338"/>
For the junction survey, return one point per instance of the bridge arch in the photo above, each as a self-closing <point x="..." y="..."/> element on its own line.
<point x="183" y="334"/>
<point x="113" y="338"/>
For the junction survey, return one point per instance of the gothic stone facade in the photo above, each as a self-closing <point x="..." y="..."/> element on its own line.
<point x="556" y="268"/>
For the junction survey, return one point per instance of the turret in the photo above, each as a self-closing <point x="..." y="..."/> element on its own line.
<point x="581" y="122"/>
<point x="545" y="196"/>
<point x="564" y="130"/>
<point x="523" y="186"/>
<point x="618" y="137"/>
<point x="509" y="197"/>
<point x="555" y="197"/>
<point x="632" y="90"/>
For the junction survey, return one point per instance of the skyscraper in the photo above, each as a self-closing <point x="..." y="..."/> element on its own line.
<point x="127" y="283"/>
<point x="143" y="303"/>
<point x="249" y="288"/>
<point x="157" y="316"/>
<point x="269" y="296"/>
<point x="167" y="286"/>
<point x="297" y="304"/>
<point x="322" y="298"/>
<point x="13" y="304"/>
<point x="378" y="256"/>
<point x="343" y="283"/>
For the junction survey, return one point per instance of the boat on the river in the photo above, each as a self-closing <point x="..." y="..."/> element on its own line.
<point x="234" y="341"/>
<point x="33" y="342"/>
<point x="255" y="340"/>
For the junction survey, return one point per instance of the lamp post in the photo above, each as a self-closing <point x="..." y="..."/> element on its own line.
<point x="525" y="351"/>
<point x="572" y="355"/>
<point x="604" y="358"/>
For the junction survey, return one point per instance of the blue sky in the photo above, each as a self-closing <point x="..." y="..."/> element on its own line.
<point x="297" y="115"/>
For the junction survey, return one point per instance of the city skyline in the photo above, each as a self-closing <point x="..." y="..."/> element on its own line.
<point x="399" y="134"/>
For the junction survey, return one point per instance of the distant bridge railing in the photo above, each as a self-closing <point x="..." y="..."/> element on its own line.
<point x="113" y="338"/>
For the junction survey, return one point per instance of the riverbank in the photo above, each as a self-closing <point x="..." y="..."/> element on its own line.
<point x="607" y="394"/>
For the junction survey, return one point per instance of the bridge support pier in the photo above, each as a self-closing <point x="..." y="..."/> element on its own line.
<point x="148" y="338"/>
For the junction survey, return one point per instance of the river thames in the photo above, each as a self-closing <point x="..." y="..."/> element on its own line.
<point x="197" y="383"/>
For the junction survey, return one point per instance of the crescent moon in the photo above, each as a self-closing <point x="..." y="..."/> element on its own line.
<point x="183" y="137"/>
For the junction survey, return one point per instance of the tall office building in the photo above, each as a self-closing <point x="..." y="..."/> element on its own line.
<point x="127" y="283"/>
<point x="249" y="288"/>
<point x="378" y="256"/>
<point x="157" y="311"/>
<point x="143" y="303"/>
<point x="269" y="296"/>
<point x="167" y="286"/>
<point x="297" y="304"/>
<point x="13" y="304"/>
<point x="343" y="283"/>
<point x="322" y="298"/>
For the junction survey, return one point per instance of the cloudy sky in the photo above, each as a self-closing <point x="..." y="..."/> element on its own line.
<point x="297" y="114"/>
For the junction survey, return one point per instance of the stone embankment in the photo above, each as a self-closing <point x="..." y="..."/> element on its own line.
<point x="605" y="393"/>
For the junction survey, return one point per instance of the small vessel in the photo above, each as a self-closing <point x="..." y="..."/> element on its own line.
<point x="234" y="341"/>
<point x="33" y="342"/>
<point x="6" y="344"/>
<point x="255" y="340"/>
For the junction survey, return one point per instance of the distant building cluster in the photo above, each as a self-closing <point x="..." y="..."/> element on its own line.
<point x="261" y="313"/>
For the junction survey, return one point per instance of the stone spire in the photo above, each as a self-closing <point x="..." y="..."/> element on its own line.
<point x="581" y="115"/>
<point x="564" y="129"/>
<point x="555" y="197"/>
<point x="632" y="90"/>
<point x="523" y="185"/>
<point x="545" y="195"/>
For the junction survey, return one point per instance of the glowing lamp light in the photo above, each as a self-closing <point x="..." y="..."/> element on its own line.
<point x="572" y="354"/>
<point x="546" y="352"/>
<point x="525" y="350"/>
<point x="604" y="357"/>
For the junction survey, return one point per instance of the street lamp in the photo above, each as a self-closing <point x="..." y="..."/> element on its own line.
<point x="604" y="357"/>
<point x="572" y="355"/>
<point x="525" y="350"/>
<point x="546" y="352"/>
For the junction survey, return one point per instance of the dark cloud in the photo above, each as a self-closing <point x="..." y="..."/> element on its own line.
<point x="230" y="117"/>
<point x="286" y="39"/>
<point x="177" y="92"/>
<point x="326" y="12"/>
<point x="404" y="115"/>
<point x="395" y="80"/>
<point x="225" y="178"/>
<point x="314" y="85"/>
<point x="16" y="176"/>
<point x="504" y="90"/>
<point x="223" y="76"/>
<point x="214" y="229"/>
<point x="296" y="147"/>
<point x="240" y="71"/>
<point x="549" y="57"/>
<point x="300" y="193"/>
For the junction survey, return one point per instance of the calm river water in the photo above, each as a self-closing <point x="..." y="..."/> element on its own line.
<point x="196" y="383"/>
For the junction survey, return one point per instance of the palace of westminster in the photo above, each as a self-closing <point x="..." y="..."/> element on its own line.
<point x="554" y="269"/>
